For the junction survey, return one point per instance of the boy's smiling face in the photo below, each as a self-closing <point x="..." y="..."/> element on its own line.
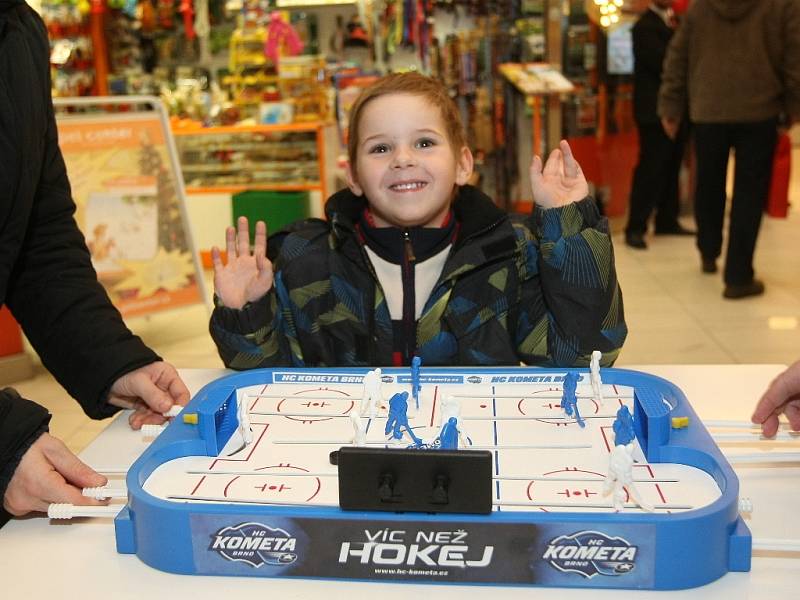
<point x="406" y="165"/>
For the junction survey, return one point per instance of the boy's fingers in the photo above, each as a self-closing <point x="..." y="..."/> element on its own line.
<point x="261" y="263"/>
<point x="230" y="242"/>
<point x="570" y="164"/>
<point x="216" y="258"/>
<point x="536" y="168"/>
<point x="260" y="243"/>
<point x="243" y="237"/>
<point x="553" y="163"/>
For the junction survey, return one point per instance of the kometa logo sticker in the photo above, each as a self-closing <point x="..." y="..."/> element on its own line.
<point x="591" y="553"/>
<point x="255" y="544"/>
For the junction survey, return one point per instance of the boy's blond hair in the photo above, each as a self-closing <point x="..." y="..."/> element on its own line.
<point x="414" y="84"/>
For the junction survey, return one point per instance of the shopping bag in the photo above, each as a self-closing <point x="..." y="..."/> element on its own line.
<point x="777" y="204"/>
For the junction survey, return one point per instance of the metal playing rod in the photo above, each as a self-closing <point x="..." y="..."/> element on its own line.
<point x="495" y="478"/>
<point x="390" y="445"/>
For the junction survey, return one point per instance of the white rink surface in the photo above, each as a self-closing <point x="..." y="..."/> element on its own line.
<point x="504" y="418"/>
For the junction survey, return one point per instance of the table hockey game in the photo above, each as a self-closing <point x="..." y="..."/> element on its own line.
<point x="204" y="500"/>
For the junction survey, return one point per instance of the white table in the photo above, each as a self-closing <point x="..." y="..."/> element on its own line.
<point x="43" y="559"/>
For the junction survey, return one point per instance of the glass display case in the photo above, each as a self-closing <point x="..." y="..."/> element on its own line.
<point x="287" y="157"/>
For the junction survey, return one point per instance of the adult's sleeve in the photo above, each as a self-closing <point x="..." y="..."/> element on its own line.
<point x="673" y="93"/>
<point x="21" y="423"/>
<point x="53" y="290"/>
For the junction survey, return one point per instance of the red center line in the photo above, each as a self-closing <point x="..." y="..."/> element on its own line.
<point x="433" y="409"/>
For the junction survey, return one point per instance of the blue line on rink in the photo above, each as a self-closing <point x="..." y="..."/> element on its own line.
<point x="496" y="452"/>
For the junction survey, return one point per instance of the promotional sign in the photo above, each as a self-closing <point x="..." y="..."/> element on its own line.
<point x="130" y="207"/>
<point x="556" y="554"/>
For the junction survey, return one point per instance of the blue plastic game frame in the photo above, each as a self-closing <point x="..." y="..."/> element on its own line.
<point x="626" y="550"/>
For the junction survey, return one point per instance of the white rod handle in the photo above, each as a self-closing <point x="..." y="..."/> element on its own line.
<point x="102" y="493"/>
<point x="70" y="511"/>
<point x="776" y="544"/>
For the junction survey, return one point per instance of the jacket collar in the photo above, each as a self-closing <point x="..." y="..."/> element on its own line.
<point x="477" y="215"/>
<point x="473" y="209"/>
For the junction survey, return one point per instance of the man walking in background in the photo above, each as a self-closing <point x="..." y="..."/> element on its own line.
<point x="655" y="180"/>
<point x="736" y="63"/>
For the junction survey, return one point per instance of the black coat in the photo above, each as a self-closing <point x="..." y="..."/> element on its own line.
<point x="46" y="274"/>
<point x="651" y="36"/>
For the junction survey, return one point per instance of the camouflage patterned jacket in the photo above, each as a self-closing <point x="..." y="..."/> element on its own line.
<point x="541" y="289"/>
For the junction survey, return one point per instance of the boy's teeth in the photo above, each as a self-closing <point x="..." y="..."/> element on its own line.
<point x="408" y="186"/>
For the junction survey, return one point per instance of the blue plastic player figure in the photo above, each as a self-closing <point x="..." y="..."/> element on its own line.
<point x="448" y="436"/>
<point x="569" y="402"/>
<point x="416" y="363"/>
<point x="623" y="427"/>
<point x="398" y="417"/>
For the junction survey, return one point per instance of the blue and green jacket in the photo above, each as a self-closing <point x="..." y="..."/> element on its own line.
<point x="540" y="289"/>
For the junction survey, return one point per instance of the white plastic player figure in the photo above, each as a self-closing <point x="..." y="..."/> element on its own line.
<point x="450" y="407"/>
<point x="372" y="398"/>
<point x="243" y="414"/>
<point x="597" y="383"/>
<point x="359" y="429"/>
<point x="620" y="477"/>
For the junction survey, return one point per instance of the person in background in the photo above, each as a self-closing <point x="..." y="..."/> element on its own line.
<point x="736" y="64"/>
<point x="782" y="397"/>
<point x="412" y="261"/>
<point x="48" y="283"/>
<point x="655" y="179"/>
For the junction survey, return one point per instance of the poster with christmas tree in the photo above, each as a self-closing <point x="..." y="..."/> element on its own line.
<point x="131" y="208"/>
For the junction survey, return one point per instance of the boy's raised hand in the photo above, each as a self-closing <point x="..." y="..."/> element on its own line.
<point x="246" y="277"/>
<point x="560" y="182"/>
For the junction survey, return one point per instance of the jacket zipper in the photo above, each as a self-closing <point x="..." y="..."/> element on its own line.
<point x="409" y="299"/>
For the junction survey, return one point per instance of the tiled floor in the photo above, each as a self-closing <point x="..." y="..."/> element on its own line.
<point x="675" y="314"/>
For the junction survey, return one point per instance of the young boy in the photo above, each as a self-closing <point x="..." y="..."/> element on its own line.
<point x="412" y="261"/>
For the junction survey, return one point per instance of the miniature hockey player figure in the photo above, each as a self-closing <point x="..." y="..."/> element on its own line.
<point x="597" y="382"/>
<point x="569" y="402"/>
<point x="450" y="407"/>
<point x="243" y="415"/>
<point x="398" y="418"/>
<point x="416" y="363"/>
<point x="620" y="465"/>
<point x="359" y="429"/>
<point x="448" y="436"/>
<point x="620" y="478"/>
<point x="623" y="427"/>
<point x="372" y="398"/>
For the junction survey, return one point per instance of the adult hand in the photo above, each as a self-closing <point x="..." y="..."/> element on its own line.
<point x="47" y="473"/>
<point x="149" y="391"/>
<point x="782" y="396"/>
<point x="671" y="126"/>
<point x="246" y="277"/>
<point x="560" y="182"/>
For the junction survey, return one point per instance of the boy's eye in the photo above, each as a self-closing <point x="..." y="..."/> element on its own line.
<point x="379" y="149"/>
<point x="425" y="143"/>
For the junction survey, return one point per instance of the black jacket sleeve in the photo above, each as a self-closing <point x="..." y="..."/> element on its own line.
<point x="52" y="288"/>
<point x="21" y="424"/>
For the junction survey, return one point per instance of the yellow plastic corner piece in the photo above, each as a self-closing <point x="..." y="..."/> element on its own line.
<point x="680" y="422"/>
<point x="191" y="418"/>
